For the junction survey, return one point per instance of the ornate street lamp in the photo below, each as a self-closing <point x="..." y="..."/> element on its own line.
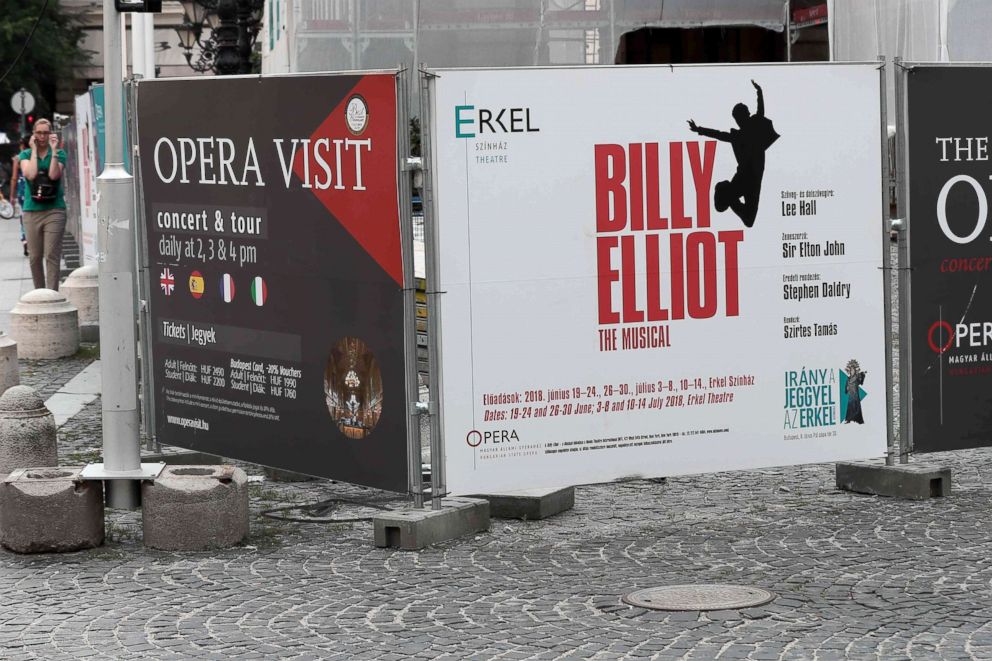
<point x="223" y="31"/>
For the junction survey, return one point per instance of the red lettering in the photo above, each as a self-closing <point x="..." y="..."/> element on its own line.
<point x="702" y="177"/>
<point x="628" y="281"/>
<point x="607" y="276"/>
<point x="702" y="300"/>
<point x="678" y="275"/>
<point x="655" y="220"/>
<point x="730" y="241"/>
<point x="636" y="189"/>
<point x="680" y="221"/>
<point x="655" y="311"/>
<point x="610" y="158"/>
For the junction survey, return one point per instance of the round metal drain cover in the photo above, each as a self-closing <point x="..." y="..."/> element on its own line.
<point x="698" y="597"/>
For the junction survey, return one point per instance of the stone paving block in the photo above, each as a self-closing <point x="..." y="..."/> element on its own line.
<point x="27" y="431"/>
<point x="50" y="510"/>
<point x="81" y="289"/>
<point x="45" y="325"/>
<point x="415" y="529"/>
<point x="9" y="368"/>
<point x="916" y="481"/>
<point x="193" y="508"/>
<point x="529" y="504"/>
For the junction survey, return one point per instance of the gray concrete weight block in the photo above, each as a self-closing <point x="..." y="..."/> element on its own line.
<point x="89" y="332"/>
<point x="10" y="373"/>
<point x="195" y="508"/>
<point x="529" y="504"/>
<point x="415" y="529"/>
<point x="50" y="510"/>
<point x="912" y="481"/>
<point x="81" y="289"/>
<point x="27" y="431"/>
<point x="44" y="325"/>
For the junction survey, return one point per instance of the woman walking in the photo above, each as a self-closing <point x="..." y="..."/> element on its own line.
<point x="44" y="205"/>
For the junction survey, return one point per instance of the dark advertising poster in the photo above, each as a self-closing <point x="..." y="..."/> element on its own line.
<point x="273" y="234"/>
<point x="950" y="256"/>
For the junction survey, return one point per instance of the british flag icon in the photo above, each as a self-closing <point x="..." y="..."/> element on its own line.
<point x="167" y="281"/>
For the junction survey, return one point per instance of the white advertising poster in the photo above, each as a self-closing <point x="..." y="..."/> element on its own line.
<point x="86" y="163"/>
<point x="653" y="271"/>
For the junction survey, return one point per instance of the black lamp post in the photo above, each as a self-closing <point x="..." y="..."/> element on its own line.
<point x="233" y="29"/>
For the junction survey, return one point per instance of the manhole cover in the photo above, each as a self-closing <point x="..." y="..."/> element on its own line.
<point x="698" y="597"/>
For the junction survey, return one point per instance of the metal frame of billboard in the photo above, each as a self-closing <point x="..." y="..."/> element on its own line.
<point x="404" y="198"/>
<point x="431" y="249"/>
<point x="905" y="275"/>
<point x="903" y="69"/>
<point x="414" y="476"/>
<point x="146" y="389"/>
<point x="891" y="440"/>
<point x="427" y="107"/>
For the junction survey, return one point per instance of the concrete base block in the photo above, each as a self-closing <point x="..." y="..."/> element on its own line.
<point x="10" y="374"/>
<point x="89" y="332"/>
<point x="27" y="431"/>
<point x="44" y="325"/>
<point x="81" y="289"/>
<point x="912" y="481"/>
<point x="50" y="510"/>
<point x="195" y="508"/>
<point x="529" y="504"/>
<point x="412" y="530"/>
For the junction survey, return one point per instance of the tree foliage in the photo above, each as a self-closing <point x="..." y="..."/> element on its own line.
<point x="50" y="56"/>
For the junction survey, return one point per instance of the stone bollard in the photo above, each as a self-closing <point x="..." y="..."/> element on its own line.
<point x="10" y="374"/>
<point x="81" y="289"/>
<point x="27" y="431"/>
<point x="44" y="325"/>
<point x="195" y="508"/>
<point x="50" y="510"/>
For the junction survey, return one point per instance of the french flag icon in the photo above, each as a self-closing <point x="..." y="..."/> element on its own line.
<point x="227" y="288"/>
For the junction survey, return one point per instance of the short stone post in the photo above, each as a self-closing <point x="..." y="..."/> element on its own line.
<point x="27" y="431"/>
<point x="81" y="289"/>
<point x="45" y="325"/>
<point x="195" y="508"/>
<point x="10" y="374"/>
<point x="50" y="510"/>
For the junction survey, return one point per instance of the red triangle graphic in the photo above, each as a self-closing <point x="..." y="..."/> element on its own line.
<point x="352" y="171"/>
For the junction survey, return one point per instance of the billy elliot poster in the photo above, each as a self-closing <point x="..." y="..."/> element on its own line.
<point x="276" y="273"/>
<point x="657" y="271"/>
<point x="950" y="256"/>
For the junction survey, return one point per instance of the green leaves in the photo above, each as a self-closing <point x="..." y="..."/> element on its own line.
<point x="54" y="50"/>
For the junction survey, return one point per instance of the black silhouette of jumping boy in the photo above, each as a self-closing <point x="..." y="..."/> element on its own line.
<point x="755" y="135"/>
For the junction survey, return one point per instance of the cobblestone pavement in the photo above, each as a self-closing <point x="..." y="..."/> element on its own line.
<point x="855" y="576"/>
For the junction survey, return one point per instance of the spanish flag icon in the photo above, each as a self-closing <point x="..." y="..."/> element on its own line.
<point x="196" y="284"/>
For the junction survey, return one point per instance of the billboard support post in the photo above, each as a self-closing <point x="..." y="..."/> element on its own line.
<point x="891" y="441"/>
<point x="438" y="486"/>
<point x="143" y="283"/>
<point x="414" y="477"/>
<point x="116" y="256"/>
<point x="902" y="202"/>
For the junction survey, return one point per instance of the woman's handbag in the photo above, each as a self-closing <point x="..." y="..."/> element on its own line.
<point x="43" y="189"/>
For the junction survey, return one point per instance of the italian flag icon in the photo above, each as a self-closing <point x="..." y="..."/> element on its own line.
<point x="259" y="292"/>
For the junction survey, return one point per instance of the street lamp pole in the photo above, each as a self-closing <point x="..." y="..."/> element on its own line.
<point x="228" y="61"/>
<point x="115" y="210"/>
